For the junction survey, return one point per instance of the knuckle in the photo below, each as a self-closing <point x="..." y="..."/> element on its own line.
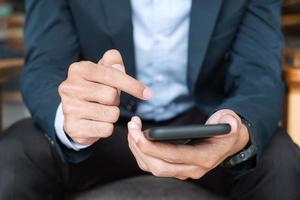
<point x="155" y="172"/>
<point x="78" y="68"/>
<point x="63" y="88"/>
<point x="209" y="164"/>
<point x="174" y="159"/>
<point x="197" y="175"/>
<point x="182" y="178"/>
<point x="142" y="166"/>
<point x="107" y="131"/>
<point x="115" y="113"/>
<point x="85" y="66"/>
<point x="180" y="175"/>
<point x="67" y="110"/>
<point x="112" y="52"/>
<point x="86" y="63"/>
<point x="144" y="148"/>
<point x="105" y="75"/>
<point x="116" y="100"/>
<point x="68" y="128"/>
<point x="112" y="96"/>
<point x="68" y="89"/>
<point x="74" y="68"/>
<point x="159" y="171"/>
<point x="81" y="141"/>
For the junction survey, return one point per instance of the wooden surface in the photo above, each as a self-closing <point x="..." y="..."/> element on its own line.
<point x="16" y="20"/>
<point x="290" y="20"/>
<point x="292" y="80"/>
<point x="291" y="57"/>
<point x="291" y="14"/>
<point x="12" y="36"/>
<point x="291" y="71"/>
<point x="8" y="68"/>
<point x="291" y="2"/>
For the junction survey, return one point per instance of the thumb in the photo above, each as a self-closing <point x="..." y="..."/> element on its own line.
<point x="112" y="57"/>
<point x="232" y="120"/>
<point x="120" y="68"/>
<point x="135" y="129"/>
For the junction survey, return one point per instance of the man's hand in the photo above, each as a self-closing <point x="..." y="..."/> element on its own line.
<point x="187" y="161"/>
<point x="90" y="97"/>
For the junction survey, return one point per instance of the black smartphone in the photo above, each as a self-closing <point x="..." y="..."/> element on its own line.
<point x="186" y="134"/>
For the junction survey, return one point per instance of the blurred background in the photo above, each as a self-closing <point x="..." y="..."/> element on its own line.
<point x="12" y="52"/>
<point x="11" y="60"/>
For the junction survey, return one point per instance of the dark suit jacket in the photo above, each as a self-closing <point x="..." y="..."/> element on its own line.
<point x="234" y="56"/>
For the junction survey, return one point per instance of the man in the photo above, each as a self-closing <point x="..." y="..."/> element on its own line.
<point x="175" y="63"/>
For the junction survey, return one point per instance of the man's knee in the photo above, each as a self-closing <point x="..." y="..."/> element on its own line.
<point x="23" y="147"/>
<point x="20" y="141"/>
<point x="282" y="150"/>
<point x="277" y="175"/>
<point x="283" y="156"/>
<point x="24" y="139"/>
<point x="12" y="143"/>
<point x="27" y="164"/>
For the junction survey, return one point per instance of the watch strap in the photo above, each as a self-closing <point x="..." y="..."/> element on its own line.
<point x="248" y="152"/>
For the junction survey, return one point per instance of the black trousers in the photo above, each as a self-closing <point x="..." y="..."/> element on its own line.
<point x="30" y="168"/>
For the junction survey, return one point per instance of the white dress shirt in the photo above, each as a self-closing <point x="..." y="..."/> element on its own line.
<point x="160" y="33"/>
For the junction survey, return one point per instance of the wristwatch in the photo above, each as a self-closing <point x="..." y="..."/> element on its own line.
<point x="245" y="154"/>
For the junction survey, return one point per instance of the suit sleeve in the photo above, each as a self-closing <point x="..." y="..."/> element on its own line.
<point x="254" y="74"/>
<point x="51" y="45"/>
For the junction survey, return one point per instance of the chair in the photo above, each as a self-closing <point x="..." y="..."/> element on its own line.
<point x="146" y="188"/>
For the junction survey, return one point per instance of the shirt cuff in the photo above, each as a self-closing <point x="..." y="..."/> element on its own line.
<point x="60" y="133"/>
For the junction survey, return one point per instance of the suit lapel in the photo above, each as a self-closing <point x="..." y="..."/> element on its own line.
<point x="119" y="21"/>
<point x="203" y="19"/>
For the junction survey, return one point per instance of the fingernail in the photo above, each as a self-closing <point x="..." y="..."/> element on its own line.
<point x="132" y="125"/>
<point x="136" y="120"/>
<point x="118" y="67"/>
<point x="147" y="93"/>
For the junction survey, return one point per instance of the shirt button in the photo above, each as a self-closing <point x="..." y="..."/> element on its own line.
<point x="160" y="37"/>
<point x="160" y="78"/>
<point x="161" y="110"/>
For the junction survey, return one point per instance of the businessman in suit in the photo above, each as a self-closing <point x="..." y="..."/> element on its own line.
<point x="99" y="72"/>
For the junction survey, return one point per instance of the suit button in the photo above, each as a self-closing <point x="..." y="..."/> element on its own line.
<point x="130" y="105"/>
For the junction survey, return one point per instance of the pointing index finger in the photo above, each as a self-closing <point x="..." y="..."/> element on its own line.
<point x="118" y="79"/>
